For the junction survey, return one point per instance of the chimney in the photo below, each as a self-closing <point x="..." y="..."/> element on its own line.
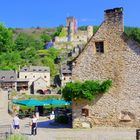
<point x="115" y="17"/>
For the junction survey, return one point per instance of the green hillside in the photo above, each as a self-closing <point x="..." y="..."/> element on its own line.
<point x="20" y="47"/>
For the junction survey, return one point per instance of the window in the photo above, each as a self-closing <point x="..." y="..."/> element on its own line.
<point x="11" y="77"/>
<point x="45" y="76"/>
<point x="25" y="76"/>
<point x="85" y="112"/>
<point x="3" y="77"/>
<point x="99" y="47"/>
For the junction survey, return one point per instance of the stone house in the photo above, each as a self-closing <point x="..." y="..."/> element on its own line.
<point x="109" y="54"/>
<point x="22" y="85"/>
<point x="33" y="74"/>
<point x="8" y="79"/>
<point x="65" y="74"/>
<point x="39" y="86"/>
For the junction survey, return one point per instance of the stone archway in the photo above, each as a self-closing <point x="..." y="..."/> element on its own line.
<point x="40" y="91"/>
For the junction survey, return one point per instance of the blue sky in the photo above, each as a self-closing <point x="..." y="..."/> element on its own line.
<point x="52" y="13"/>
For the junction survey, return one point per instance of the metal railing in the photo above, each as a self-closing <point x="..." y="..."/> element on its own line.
<point x="5" y="131"/>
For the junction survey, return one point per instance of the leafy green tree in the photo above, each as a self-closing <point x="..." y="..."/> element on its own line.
<point x="63" y="32"/>
<point x="28" y="55"/>
<point x="6" y="39"/>
<point x="58" y="31"/>
<point x="24" y="41"/>
<point x="135" y="34"/>
<point x="82" y="28"/>
<point x="53" y="53"/>
<point x="10" y="60"/>
<point x="49" y="62"/>
<point x="95" y="28"/>
<point x="45" y="37"/>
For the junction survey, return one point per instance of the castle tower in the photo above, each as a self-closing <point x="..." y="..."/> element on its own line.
<point x="71" y="24"/>
<point x="89" y="32"/>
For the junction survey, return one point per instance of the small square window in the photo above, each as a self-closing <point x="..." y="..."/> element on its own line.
<point x="99" y="47"/>
<point x="12" y="77"/>
<point x="85" y="112"/>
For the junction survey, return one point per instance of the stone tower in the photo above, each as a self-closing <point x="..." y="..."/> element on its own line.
<point x="71" y="24"/>
<point x="89" y="32"/>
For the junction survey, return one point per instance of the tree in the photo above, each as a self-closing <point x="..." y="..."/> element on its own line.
<point x="135" y="34"/>
<point x="82" y="28"/>
<point x="49" y="62"/>
<point x="58" y="31"/>
<point x="6" y="39"/>
<point x="63" y="32"/>
<point x="10" y="60"/>
<point x="24" y="41"/>
<point x="45" y="37"/>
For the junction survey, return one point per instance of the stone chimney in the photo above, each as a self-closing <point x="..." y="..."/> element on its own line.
<point x="114" y="17"/>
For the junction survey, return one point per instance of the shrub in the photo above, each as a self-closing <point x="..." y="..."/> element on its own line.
<point x="87" y="90"/>
<point x="62" y="119"/>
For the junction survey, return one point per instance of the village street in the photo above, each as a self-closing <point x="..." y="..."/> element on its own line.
<point x="53" y="132"/>
<point x="48" y="130"/>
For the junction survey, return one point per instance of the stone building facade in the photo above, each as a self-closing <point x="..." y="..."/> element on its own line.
<point x="32" y="74"/>
<point x="8" y="79"/>
<point x="40" y="86"/>
<point x="65" y="74"/>
<point x="32" y="79"/>
<point x="109" y="54"/>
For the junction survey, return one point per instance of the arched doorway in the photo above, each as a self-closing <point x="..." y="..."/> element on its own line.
<point x="40" y="91"/>
<point x="48" y="91"/>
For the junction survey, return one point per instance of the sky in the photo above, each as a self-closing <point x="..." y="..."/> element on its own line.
<point x="52" y="13"/>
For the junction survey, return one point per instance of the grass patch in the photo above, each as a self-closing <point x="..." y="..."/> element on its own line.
<point x="17" y="137"/>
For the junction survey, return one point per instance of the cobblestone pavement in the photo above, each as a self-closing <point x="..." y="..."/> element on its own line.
<point x="47" y="131"/>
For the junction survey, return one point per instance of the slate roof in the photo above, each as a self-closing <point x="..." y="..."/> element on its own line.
<point x="66" y="69"/>
<point x="35" y="69"/>
<point x="8" y="76"/>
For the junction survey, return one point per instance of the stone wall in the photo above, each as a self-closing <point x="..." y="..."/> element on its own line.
<point x="120" y="62"/>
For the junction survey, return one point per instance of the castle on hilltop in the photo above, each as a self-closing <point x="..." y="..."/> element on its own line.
<point x="73" y="34"/>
